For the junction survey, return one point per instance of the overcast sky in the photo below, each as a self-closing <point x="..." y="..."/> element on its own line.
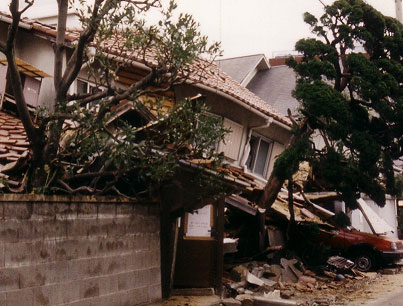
<point x="244" y="26"/>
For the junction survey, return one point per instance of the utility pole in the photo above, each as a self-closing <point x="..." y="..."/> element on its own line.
<point x="398" y="4"/>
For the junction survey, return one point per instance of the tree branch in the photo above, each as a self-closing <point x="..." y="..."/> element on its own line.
<point x="144" y="82"/>
<point x="60" y="40"/>
<point x="16" y="82"/>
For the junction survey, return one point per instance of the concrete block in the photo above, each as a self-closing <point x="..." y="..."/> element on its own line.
<point x="98" y="227"/>
<point x="31" y="276"/>
<point x="127" y="281"/>
<point x="136" y="260"/>
<point x="9" y="279"/>
<point x="96" y="267"/>
<point x="66" y="210"/>
<point x="109" y="300"/>
<point x="117" y="227"/>
<point x="155" y="242"/>
<point x="9" y="231"/>
<point x="154" y="293"/>
<point x="108" y="284"/>
<point x="86" y="302"/>
<point x="231" y="302"/>
<point x="86" y="268"/>
<point x="262" y="301"/>
<point x="20" y="297"/>
<point x="51" y="229"/>
<point x="79" y="227"/>
<point x="69" y="292"/>
<point x="118" y="245"/>
<point x="142" y="278"/>
<point x="44" y="210"/>
<point x="56" y="294"/>
<point x="134" y="297"/>
<point x="106" y="210"/>
<point x="125" y="209"/>
<point x="87" y="247"/>
<point x="87" y="210"/>
<point x="43" y="251"/>
<point x="245" y="299"/>
<point x="141" y="210"/>
<point x="2" y="255"/>
<point x="155" y="276"/>
<point x="17" y="210"/>
<point x="46" y="295"/>
<point x="88" y="288"/>
<point x="67" y="249"/>
<point x="2" y="299"/>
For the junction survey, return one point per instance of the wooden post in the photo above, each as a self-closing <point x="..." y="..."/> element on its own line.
<point x="220" y="244"/>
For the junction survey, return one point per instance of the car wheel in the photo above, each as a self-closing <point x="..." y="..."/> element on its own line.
<point x="364" y="261"/>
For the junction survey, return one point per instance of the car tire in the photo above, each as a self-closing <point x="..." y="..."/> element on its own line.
<point x="364" y="261"/>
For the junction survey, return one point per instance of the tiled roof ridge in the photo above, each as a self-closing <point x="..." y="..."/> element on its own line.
<point x="226" y="85"/>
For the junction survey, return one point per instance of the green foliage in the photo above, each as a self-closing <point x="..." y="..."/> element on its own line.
<point x="109" y="140"/>
<point x="288" y="162"/>
<point x="147" y="155"/>
<point x="352" y="99"/>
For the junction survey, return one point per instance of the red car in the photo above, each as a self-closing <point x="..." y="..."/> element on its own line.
<point x="366" y="250"/>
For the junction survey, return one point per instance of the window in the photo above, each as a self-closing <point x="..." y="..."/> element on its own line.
<point x="259" y="155"/>
<point x="230" y="147"/>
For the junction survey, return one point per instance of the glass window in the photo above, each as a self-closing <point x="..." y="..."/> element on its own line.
<point x="259" y="155"/>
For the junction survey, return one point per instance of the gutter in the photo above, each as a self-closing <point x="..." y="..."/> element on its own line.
<point x="243" y="104"/>
<point x="10" y="21"/>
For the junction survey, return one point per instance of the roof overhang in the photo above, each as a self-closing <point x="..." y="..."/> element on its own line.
<point x="27" y="69"/>
<point x="244" y="105"/>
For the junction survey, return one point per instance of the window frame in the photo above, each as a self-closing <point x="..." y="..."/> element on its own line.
<point x="268" y="156"/>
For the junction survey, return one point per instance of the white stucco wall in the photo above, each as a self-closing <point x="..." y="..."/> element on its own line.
<point x="241" y="115"/>
<point x="388" y="213"/>
<point x="39" y="53"/>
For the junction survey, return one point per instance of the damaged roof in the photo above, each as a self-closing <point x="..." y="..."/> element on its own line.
<point x="14" y="146"/>
<point x="204" y="73"/>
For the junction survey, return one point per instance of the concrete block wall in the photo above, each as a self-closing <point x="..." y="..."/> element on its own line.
<point x="78" y="251"/>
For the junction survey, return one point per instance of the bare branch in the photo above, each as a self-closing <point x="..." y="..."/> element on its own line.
<point x="147" y="80"/>
<point x="54" y="116"/>
<point x="70" y="190"/>
<point x="16" y="82"/>
<point x="60" y="39"/>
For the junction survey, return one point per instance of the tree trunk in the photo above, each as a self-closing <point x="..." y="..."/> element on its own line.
<point x="274" y="183"/>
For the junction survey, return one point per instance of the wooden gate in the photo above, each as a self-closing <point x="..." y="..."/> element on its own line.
<point x="199" y="256"/>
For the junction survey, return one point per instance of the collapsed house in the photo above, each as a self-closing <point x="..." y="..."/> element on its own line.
<point x="258" y="135"/>
<point x="273" y="81"/>
<point x="194" y="236"/>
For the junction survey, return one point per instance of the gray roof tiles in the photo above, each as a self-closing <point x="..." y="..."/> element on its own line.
<point x="239" y="67"/>
<point x="275" y="86"/>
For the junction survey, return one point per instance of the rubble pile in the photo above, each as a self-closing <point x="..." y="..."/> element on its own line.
<point x="291" y="283"/>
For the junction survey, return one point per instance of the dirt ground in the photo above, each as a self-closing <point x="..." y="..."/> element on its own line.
<point x="352" y="293"/>
<point x="386" y="284"/>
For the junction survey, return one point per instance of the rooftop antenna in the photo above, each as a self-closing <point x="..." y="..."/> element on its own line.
<point x="398" y="5"/>
<point x="322" y="3"/>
